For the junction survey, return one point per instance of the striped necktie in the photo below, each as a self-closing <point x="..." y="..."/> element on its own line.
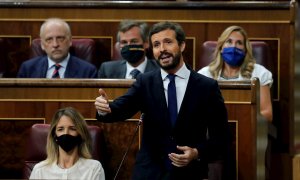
<point x="56" y="72"/>
<point x="134" y="73"/>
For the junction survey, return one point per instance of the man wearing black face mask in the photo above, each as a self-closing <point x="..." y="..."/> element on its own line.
<point x="133" y="42"/>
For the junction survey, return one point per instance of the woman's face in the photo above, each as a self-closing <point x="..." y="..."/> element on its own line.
<point x="65" y="125"/>
<point x="235" y="39"/>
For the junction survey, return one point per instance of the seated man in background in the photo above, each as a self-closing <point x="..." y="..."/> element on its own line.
<point x="133" y="41"/>
<point x="56" y="40"/>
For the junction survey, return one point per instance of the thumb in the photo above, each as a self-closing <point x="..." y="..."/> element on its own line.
<point x="103" y="93"/>
<point x="182" y="148"/>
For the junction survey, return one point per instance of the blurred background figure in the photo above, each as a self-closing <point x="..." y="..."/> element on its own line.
<point x="233" y="60"/>
<point x="56" y="40"/>
<point x="132" y="38"/>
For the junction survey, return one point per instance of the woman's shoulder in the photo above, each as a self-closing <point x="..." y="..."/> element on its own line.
<point x="205" y="71"/>
<point x="90" y="162"/>
<point x="264" y="75"/>
<point x="260" y="69"/>
<point x="39" y="169"/>
<point x="41" y="165"/>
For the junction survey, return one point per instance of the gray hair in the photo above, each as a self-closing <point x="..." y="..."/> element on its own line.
<point x="55" y="21"/>
<point x="126" y="25"/>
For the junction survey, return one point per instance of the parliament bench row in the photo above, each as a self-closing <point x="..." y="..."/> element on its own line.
<point x="24" y="102"/>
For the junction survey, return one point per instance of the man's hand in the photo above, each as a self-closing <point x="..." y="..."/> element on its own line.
<point x="184" y="159"/>
<point x="101" y="103"/>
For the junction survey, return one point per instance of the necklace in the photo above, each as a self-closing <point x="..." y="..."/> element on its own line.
<point x="229" y="77"/>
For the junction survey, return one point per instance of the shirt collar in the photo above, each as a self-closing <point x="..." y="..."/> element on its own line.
<point x="63" y="63"/>
<point x="140" y="67"/>
<point x="182" y="73"/>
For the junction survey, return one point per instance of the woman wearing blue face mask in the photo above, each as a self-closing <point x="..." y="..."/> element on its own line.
<point x="233" y="60"/>
<point x="68" y="150"/>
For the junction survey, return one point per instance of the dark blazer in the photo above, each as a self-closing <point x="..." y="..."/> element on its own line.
<point x="116" y="69"/>
<point x="76" y="68"/>
<point x="202" y="110"/>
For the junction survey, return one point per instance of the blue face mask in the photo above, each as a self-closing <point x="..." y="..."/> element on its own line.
<point x="233" y="56"/>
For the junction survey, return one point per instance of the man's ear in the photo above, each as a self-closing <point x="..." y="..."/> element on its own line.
<point x="182" y="46"/>
<point x="70" y="41"/>
<point x="42" y="46"/>
<point x="146" y="45"/>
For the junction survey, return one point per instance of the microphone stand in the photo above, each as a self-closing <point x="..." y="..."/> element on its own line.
<point x="132" y="139"/>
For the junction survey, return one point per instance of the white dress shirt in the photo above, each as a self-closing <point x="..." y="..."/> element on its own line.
<point x="62" y="69"/>
<point x="181" y="81"/>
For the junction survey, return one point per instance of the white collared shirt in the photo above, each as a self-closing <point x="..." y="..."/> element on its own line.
<point x="61" y="70"/>
<point x="181" y="81"/>
<point x="140" y="67"/>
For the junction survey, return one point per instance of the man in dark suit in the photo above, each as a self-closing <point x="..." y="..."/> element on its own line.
<point x="180" y="145"/>
<point x="132" y="40"/>
<point x="56" y="40"/>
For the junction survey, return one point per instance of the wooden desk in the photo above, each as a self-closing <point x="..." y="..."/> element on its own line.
<point x="24" y="102"/>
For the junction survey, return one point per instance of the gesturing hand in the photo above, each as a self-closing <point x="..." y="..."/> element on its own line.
<point x="101" y="103"/>
<point x="184" y="159"/>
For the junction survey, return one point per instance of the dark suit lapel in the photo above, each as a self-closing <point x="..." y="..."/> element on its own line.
<point x="160" y="97"/>
<point x="43" y="65"/>
<point x="70" y="69"/>
<point x="117" y="69"/>
<point x="158" y="86"/>
<point x="188" y="96"/>
<point x="122" y="70"/>
<point x="151" y="65"/>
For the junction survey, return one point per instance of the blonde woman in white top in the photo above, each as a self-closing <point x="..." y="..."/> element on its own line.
<point x="68" y="150"/>
<point x="233" y="60"/>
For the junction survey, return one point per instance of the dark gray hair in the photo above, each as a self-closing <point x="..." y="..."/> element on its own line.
<point x="127" y="24"/>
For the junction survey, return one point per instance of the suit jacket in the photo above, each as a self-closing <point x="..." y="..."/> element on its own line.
<point x="117" y="69"/>
<point x="76" y="68"/>
<point x="202" y="110"/>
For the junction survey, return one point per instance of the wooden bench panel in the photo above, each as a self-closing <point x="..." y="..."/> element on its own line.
<point x="40" y="98"/>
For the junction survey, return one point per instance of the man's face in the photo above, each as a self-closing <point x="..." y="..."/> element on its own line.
<point x="56" y="42"/>
<point x="166" y="50"/>
<point x="132" y="36"/>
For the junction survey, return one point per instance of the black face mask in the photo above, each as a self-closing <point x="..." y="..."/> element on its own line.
<point x="68" y="142"/>
<point x="133" y="53"/>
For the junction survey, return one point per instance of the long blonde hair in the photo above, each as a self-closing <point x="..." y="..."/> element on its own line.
<point x="246" y="69"/>
<point x="84" y="149"/>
